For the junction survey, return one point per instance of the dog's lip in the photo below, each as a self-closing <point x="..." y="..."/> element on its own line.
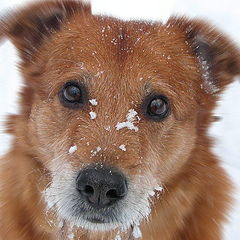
<point x="96" y="220"/>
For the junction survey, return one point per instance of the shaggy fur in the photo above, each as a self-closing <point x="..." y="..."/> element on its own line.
<point x="120" y="63"/>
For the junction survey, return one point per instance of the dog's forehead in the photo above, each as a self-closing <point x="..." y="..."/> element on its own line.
<point x="117" y="54"/>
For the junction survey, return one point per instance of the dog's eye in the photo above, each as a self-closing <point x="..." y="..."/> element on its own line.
<point x="71" y="95"/>
<point x="157" y="107"/>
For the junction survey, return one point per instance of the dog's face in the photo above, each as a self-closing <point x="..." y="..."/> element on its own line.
<point x="115" y="111"/>
<point x="110" y="100"/>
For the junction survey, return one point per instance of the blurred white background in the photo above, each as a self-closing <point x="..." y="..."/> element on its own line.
<point x="223" y="13"/>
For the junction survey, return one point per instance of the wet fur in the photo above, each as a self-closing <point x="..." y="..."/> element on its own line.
<point x="176" y="152"/>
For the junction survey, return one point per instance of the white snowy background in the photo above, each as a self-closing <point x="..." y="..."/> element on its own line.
<point x="223" y="13"/>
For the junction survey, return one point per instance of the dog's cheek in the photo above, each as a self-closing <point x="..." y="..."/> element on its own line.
<point x="48" y="134"/>
<point x="171" y="150"/>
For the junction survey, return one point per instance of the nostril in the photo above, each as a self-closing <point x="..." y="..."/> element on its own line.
<point x="112" y="193"/>
<point x="89" y="190"/>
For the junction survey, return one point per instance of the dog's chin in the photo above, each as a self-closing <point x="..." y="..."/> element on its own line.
<point x="97" y="225"/>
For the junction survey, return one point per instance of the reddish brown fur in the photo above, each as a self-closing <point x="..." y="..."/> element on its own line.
<point x="196" y="196"/>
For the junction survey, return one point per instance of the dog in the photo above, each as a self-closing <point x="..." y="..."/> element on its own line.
<point x="111" y="140"/>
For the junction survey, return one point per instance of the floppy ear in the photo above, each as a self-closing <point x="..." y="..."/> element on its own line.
<point x="218" y="57"/>
<point x="30" y="26"/>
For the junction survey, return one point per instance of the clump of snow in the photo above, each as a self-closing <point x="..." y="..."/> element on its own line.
<point x="123" y="147"/>
<point x="99" y="149"/>
<point x="70" y="236"/>
<point x="94" y="53"/>
<point x="151" y="193"/>
<point x="136" y="232"/>
<point x="118" y="237"/>
<point x="93" y="102"/>
<point x="159" y="188"/>
<point x="132" y="116"/>
<point x="72" y="149"/>
<point x="94" y="152"/>
<point x="114" y="41"/>
<point x="99" y="73"/>
<point x="128" y="125"/>
<point x="107" y="128"/>
<point x="93" y="115"/>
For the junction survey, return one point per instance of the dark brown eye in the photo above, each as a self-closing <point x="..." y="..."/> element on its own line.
<point x="72" y="95"/>
<point x="157" y="107"/>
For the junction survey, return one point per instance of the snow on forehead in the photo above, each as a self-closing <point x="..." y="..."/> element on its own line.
<point x="94" y="102"/>
<point x="72" y="149"/>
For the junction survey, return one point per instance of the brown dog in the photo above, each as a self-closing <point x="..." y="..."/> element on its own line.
<point x="111" y="141"/>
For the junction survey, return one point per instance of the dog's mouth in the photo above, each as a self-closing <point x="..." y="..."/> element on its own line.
<point x="105" y="216"/>
<point x="97" y="220"/>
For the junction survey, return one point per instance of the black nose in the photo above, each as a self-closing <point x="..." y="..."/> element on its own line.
<point x="101" y="186"/>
